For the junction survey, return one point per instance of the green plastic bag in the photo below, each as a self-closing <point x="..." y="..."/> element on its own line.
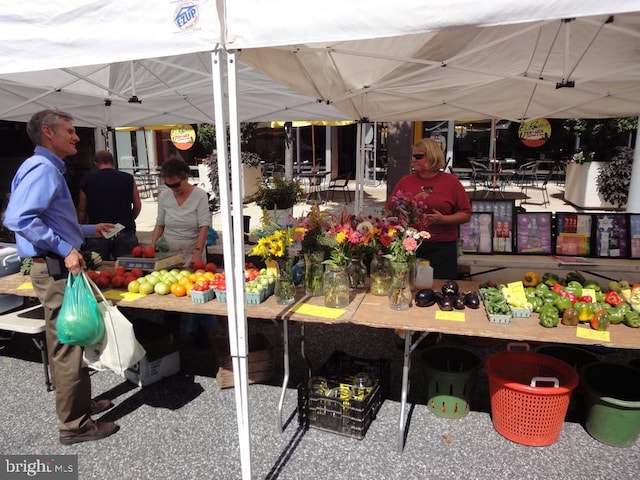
<point x="162" y="245"/>
<point x="80" y="319"/>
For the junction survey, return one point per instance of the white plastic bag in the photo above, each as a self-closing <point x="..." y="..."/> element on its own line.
<point x="120" y="348"/>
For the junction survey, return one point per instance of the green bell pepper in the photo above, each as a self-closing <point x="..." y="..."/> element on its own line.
<point x="575" y="277"/>
<point x="549" y="316"/>
<point x="550" y="279"/>
<point x="562" y="303"/>
<point x="632" y="319"/>
<point x="536" y="302"/>
<point x="616" y="315"/>
<point x="593" y="285"/>
<point x="574" y="287"/>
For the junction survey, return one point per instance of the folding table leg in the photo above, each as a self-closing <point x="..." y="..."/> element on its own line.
<point x="402" y="424"/>
<point x="41" y="343"/>
<point x="285" y="379"/>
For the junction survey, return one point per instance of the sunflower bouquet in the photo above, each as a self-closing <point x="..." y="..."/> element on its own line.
<point x="273" y="246"/>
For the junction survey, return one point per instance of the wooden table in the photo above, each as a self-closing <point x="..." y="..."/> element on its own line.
<point x="18" y="284"/>
<point x="373" y="311"/>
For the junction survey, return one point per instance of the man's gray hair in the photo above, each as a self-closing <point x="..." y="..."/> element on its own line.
<point x="42" y="118"/>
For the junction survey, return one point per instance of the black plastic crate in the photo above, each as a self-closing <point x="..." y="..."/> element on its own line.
<point x="341" y="364"/>
<point x="341" y="410"/>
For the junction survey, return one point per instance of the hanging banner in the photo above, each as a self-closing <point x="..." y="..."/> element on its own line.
<point x="183" y="137"/>
<point x="535" y="133"/>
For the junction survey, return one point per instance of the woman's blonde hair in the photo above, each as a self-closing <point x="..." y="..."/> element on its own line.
<point x="435" y="155"/>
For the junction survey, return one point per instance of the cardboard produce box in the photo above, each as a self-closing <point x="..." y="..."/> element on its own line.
<point x="260" y="360"/>
<point x="163" y="354"/>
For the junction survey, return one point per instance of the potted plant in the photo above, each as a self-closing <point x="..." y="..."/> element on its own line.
<point x="614" y="177"/>
<point x="279" y="194"/>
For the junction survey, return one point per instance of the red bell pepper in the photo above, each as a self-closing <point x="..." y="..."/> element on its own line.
<point x="613" y="298"/>
<point x="569" y="295"/>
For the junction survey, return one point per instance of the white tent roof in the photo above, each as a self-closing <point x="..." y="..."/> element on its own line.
<point x="493" y="62"/>
<point x="80" y="55"/>
<point x="174" y="89"/>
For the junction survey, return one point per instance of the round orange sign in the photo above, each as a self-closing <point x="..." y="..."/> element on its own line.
<point x="183" y="137"/>
<point x="535" y="133"/>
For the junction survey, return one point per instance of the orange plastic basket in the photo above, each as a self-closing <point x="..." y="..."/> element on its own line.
<point x="530" y="415"/>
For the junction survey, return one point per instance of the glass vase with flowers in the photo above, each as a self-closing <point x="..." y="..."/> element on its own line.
<point x="314" y="223"/>
<point x="401" y="244"/>
<point x="273" y="246"/>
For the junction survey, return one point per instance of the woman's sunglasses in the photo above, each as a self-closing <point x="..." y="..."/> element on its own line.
<point x="173" y="185"/>
<point x="418" y="156"/>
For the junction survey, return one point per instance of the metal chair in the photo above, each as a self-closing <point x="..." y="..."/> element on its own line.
<point x="479" y="172"/>
<point x="542" y="188"/>
<point x="341" y="182"/>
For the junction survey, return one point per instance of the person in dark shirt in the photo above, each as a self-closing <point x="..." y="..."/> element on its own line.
<point x="109" y="195"/>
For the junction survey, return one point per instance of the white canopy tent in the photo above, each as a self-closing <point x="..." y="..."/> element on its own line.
<point x="371" y="59"/>
<point x="499" y="60"/>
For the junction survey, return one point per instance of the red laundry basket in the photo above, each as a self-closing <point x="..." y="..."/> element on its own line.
<point x="526" y="414"/>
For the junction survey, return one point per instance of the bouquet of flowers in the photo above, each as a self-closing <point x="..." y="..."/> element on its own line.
<point x="409" y="210"/>
<point x="273" y="246"/>
<point x="349" y="237"/>
<point x="401" y="243"/>
<point x="313" y="225"/>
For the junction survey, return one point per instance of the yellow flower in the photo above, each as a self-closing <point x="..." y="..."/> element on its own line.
<point x="341" y="237"/>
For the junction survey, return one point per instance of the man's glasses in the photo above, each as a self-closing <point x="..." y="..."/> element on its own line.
<point x="418" y="156"/>
<point x="173" y="185"/>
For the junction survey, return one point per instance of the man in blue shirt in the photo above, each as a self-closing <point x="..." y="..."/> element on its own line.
<point x="42" y="215"/>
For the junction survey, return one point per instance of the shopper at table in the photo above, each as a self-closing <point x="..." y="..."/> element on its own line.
<point x="110" y="195"/>
<point x="42" y="215"/>
<point x="447" y="201"/>
<point x="183" y="220"/>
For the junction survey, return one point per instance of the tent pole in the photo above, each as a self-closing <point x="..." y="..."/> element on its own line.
<point x="633" y="200"/>
<point x="233" y="241"/>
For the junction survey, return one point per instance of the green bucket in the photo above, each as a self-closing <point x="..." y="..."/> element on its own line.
<point x="612" y="402"/>
<point x="451" y="378"/>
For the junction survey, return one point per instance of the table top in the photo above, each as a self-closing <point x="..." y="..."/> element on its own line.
<point x="18" y="284"/>
<point x="373" y="311"/>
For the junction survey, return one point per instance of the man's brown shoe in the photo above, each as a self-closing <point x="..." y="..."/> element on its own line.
<point x="95" y="431"/>
<point x="99" y="406"/>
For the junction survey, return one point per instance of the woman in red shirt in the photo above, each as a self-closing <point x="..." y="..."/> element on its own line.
<point x="447" y="203"/>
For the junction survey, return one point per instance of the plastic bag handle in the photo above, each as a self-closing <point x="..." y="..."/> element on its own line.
<point x="93" y="287"/>
<point x="513" y="346"/>
<point x="554" y="380"/>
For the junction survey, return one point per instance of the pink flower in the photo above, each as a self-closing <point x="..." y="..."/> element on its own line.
<point x="410" y="244"/>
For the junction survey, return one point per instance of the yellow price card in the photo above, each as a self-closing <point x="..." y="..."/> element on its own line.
<point x="120" y="295"/>
<point x="25" y="286"/>
<point x="591" y="334"/>
<point x="452" y="316"/>
<point x="516" y="292"/>
<point x="318" y="311"/>
<point x="591" y="292"/>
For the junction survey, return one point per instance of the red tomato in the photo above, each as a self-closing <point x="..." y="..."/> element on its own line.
<point x="136" y="251"/>
<point x="148" y="252"/>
